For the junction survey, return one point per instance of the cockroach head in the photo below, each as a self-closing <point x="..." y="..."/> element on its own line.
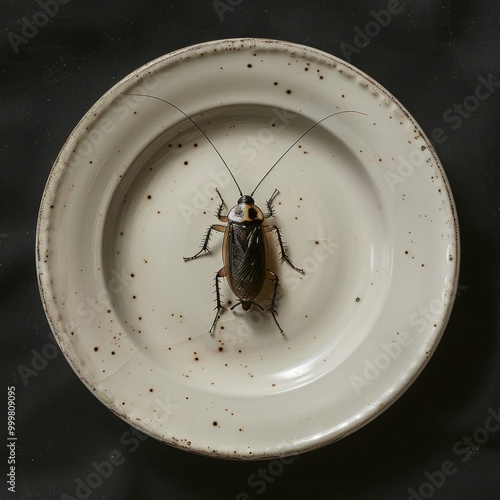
<point x="246" y="199"/>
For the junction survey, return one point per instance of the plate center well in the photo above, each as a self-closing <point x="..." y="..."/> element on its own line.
<point x="163" y="207"/>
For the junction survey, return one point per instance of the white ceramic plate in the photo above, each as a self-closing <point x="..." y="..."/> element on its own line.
<point x="364" y="205"/>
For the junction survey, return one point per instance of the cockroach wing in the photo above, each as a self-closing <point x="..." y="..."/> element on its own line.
<point x="246" y="259"/>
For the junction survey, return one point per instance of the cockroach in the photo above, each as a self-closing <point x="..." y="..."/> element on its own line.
<point x="245" y="249"/>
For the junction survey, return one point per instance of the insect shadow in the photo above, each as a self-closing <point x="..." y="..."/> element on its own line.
<point x="245" y="248"/>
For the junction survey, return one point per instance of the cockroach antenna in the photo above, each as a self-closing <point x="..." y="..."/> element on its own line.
<point x="198" y="127"/>
<point x="293" y="144"/>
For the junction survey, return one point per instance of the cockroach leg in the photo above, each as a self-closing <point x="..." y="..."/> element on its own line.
<point x="205" y="240"/>
<point x="274" y="298"/>
<point x="284" y="255"/>
<point x="221" y="273"/>
<point x="218" y="213"/>
<point x="269" y="204"/>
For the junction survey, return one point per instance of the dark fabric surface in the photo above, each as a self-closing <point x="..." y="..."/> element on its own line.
<point x="440" y="439"/>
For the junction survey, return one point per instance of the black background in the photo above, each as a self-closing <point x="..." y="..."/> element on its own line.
<point x="431" y="57"/>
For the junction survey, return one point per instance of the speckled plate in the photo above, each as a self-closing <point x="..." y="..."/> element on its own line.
<point x="364" y="204"/>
